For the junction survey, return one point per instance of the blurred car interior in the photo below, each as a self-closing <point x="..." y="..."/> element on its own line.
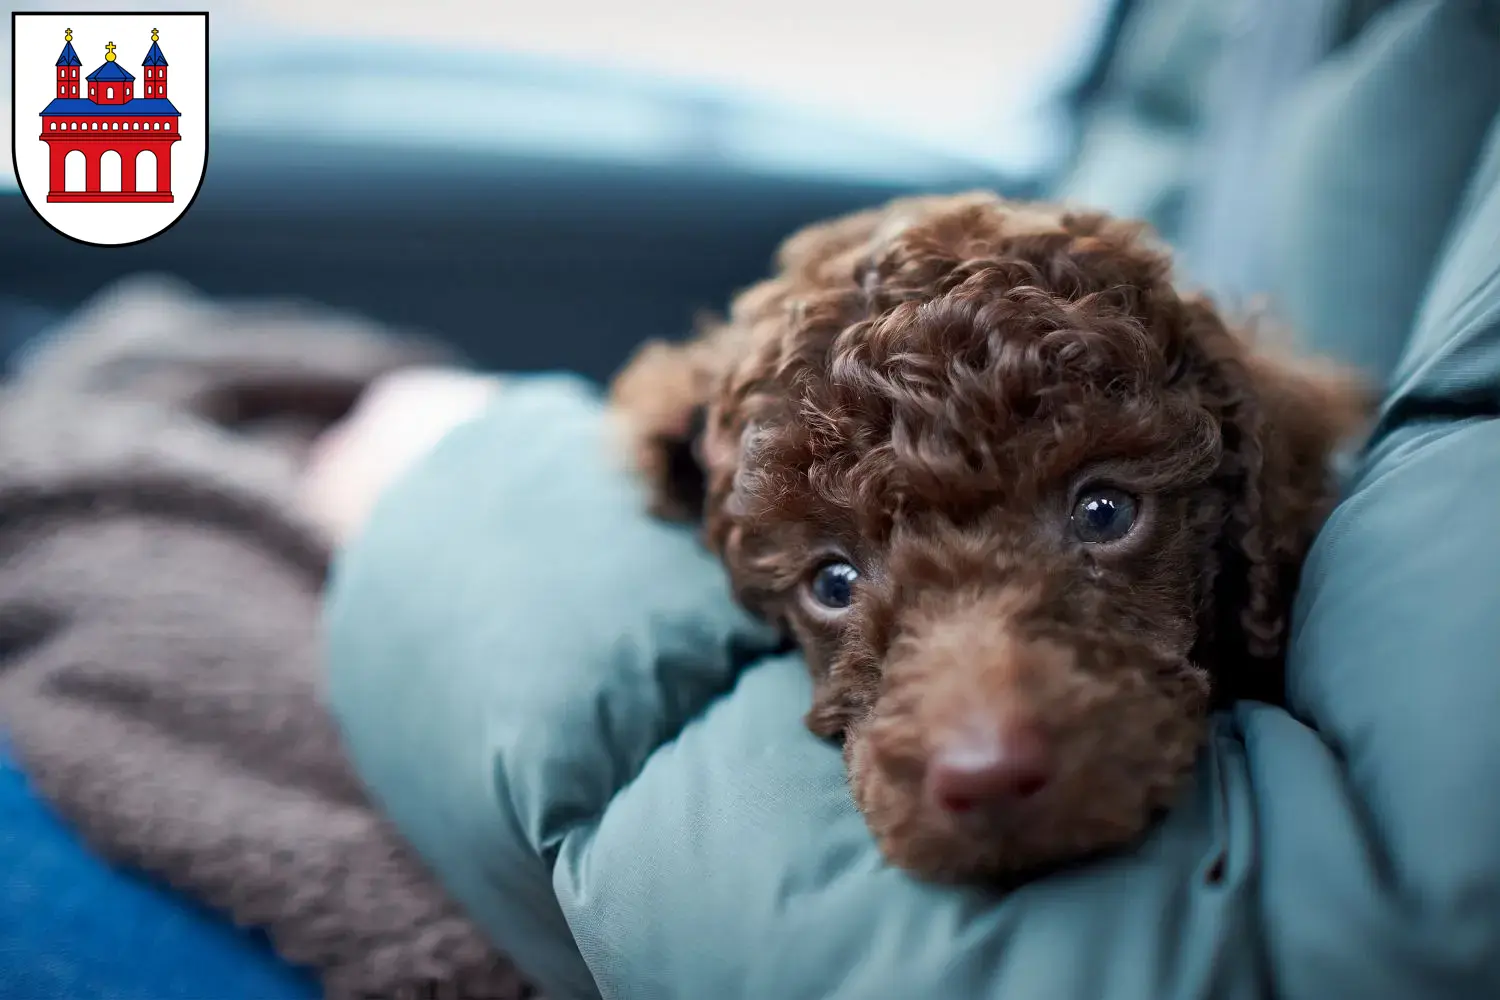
<point x="544" y="207"/>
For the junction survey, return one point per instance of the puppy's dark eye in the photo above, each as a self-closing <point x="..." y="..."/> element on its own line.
<point x="833" y="585"/>
<point x="1103" y="515"/>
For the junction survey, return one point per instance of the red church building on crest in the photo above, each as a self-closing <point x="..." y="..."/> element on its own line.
<point x="116" y="116"/>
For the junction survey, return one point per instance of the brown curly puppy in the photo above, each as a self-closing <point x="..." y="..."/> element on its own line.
<point x="1029" y="510"/>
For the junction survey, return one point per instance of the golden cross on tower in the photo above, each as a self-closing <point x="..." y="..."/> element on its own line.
<point x="109" y="52"/>
<point x="67" y="34"/>
<point x="154" y="36"/>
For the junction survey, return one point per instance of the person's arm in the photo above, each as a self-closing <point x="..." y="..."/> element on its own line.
<point x="509" y="639"/>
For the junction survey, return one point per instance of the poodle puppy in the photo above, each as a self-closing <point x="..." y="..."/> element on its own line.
<point x="1030" y="511"/>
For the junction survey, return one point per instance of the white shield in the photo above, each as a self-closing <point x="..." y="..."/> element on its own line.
<point x="109" y="117"/>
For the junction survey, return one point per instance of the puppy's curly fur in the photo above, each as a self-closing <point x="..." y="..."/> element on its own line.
<point x="932" y="396"/>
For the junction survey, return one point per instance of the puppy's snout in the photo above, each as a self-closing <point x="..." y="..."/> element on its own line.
<point x="988" y="763"/>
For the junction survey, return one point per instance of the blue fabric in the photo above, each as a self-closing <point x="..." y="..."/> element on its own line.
<point x="72" y="928"/>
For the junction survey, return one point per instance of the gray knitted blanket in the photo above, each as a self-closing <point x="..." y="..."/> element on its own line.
<point x="159" y="599"/>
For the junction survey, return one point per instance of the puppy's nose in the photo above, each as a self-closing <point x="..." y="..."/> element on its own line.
<point x="991" y="763"/>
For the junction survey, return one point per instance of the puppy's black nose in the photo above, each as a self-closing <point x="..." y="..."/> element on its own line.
<point x="989" y="764"/>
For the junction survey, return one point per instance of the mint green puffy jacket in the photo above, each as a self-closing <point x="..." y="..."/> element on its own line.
<point x="557" y="701"/>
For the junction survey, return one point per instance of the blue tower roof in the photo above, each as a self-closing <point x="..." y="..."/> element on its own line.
<point x="111" y="71"/>
<point x="154" y="57"/>
<point x="68" y="57"/>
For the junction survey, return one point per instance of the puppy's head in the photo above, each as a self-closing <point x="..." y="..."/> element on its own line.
<point x="1027" y="509"/>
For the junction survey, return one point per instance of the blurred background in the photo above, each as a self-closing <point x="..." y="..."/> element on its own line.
<point x="546" y="184"/>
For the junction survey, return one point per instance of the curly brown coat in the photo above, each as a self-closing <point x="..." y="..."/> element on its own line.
<point x="1029" y="510"/>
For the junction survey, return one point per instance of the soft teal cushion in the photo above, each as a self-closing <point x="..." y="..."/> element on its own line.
<point x="1452" y="364"/>
<point x="1371" y="164"/>
<point x="1378" y="841"/>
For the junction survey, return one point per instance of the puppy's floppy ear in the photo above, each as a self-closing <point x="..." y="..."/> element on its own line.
<point x="661" y="397"/>
<point x="834" y="705"/>
<point x="1283" y="423"/>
